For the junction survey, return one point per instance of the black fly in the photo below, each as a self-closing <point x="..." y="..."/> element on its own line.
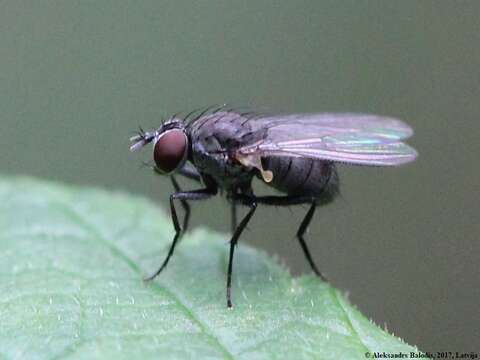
<point x="295" y="154"/>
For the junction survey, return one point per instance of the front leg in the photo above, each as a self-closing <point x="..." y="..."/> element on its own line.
<point x="184" y="203"/>
<point x="201" y="194"/>
<point x="187" y="171"/>
<point x="190" y="173"/>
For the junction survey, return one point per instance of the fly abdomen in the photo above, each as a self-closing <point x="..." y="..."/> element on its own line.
<point x="303" y="176"/>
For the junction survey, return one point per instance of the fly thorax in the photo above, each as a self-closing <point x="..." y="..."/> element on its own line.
<point x="212" y="149"/>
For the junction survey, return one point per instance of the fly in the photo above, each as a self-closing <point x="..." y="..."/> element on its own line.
<point x="296" y="154"/>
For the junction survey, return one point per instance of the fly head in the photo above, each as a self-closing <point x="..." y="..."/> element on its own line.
<point x="170" y="145"/>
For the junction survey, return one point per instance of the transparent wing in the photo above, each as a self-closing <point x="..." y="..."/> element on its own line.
<point x="341" y="137"/>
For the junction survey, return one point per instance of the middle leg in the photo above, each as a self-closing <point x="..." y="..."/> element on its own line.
<point x="288" y="200"/>
<point x="233" y="242"/>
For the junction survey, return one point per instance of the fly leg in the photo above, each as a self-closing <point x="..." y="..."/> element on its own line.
<point x="190" y="173"/>
<point x="296" y="200"/>
<point x="183" y="202"/>
<point x="187" y="171"/>
<point x="201" y="194"/>
<point x="250" y="202"/>
<point x="301" y="231"/>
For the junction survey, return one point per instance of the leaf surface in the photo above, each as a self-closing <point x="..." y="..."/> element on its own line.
<point x="71" y="267"/>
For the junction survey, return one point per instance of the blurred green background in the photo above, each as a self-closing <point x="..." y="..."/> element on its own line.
<point x="76" y="77"/>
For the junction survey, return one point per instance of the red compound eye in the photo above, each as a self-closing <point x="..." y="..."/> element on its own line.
<point x="170" y="150"/>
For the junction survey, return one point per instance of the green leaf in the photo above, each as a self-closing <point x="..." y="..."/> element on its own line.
<point x="71" y="267"/>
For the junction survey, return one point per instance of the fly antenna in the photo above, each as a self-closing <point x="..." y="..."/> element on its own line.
<point x="141" y="139"/>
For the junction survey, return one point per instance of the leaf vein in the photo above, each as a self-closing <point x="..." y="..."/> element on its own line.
<point x="349" y="321"/>
<point x="133" y="266"/>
